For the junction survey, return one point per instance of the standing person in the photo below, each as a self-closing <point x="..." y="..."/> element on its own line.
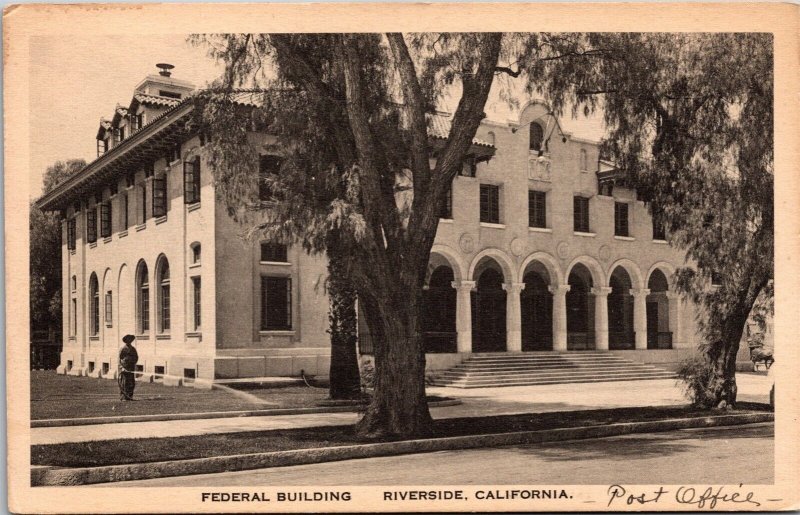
<point x="128" y="357"/>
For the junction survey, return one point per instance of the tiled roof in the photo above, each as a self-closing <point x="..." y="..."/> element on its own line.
<point x="439" y="127"/>
<point x="156" y="100"/>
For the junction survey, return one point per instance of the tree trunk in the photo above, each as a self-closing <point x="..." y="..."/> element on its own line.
<point x="398" y="407"/>
<point x="345" y="379"/>
<point x="722" y="358"/>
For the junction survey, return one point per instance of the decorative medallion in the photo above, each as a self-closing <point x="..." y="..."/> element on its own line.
<point x="562" y="249"/>
<point x="604" y="253"/>
<point x="466" y="243"/>
<point x="517" y="246"/>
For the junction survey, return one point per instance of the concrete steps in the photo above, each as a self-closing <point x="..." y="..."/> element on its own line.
<point x="521" y="369"/>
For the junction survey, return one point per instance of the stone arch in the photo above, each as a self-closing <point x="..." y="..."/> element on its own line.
<point x="532" y="110"/>
<point x="598" y="276"/>
<point x="549" y="262"/>
<point x="501" y="258"/>
<point x="668" y="269"/>
<point x="633" y="271"/>
<point x="449" y="256"/>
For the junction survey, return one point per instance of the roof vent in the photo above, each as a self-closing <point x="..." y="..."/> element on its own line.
<point x="165" y="69"/>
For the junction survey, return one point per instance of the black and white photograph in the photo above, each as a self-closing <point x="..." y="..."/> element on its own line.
<point x="310" y="257"/>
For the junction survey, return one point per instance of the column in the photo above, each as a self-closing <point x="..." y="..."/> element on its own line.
<point x="559" y="316"/>
<point x="464" y="315"/>
<point x="601" y="317"/>
<point x="513" y="317"/>
<point x="674" y="300"/>
<point x="640" y="317"/>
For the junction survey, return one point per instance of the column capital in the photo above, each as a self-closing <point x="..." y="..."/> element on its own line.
<point x="601" y="291"/>
<point x="514" y="287"/>
<point x="641" y="292"/>
<point x="463" y="285"/>
<point x="560" y="289"/>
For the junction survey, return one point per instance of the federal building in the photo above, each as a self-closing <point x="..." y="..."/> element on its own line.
<point x="542" y="253"/>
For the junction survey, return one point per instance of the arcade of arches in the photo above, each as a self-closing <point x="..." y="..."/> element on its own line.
<point x="487" y="312"/>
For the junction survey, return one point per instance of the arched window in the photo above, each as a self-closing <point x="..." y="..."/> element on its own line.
<point x="163" y="295"/>
<point x="195" y="253"/>
<point x="584" y="161"/>
<point x="142" y="299"/>
<point x="536" y="137"/>
<point x="491" y="138"/>
<point x="94" y="306"/>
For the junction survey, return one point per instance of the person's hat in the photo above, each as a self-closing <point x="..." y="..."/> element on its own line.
<point x="128" y="338"/>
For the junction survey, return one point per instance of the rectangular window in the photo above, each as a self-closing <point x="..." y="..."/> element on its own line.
<point x="620" y="219"/>
<point x="105" y="219"/>
<point x="267" y="166"/>
<point x="196" y="295"/>
<point x="580" y="212"/>
<point x="490" y="203"/>
<point x="121" y="133"/>
<point x="159" y="197"/>
<point x="143" y="205"/>
<point x="91" y="225"/>
<point x="175" y="153"/>
<point x="191" y="181"/>
<point x="165" y="322"/>
<point x="123" y="209"/>
<point x="537" y="209"/>
<point x="109" y="309"/>
<point x="72" y="224"/>
<point x="144" y="308"/>
<point x="73" y="317"/>
<point x="274" y="252"/>
<point x="659" y="232"/>
<point x="276" y="303"/>
<point x="446" y="208"/>
<point x="117" y="138"/>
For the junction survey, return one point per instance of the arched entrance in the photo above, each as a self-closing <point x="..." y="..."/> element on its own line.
<point x="580" y="309"/>
<point x="536" y="304"/>
<point x="438" y="314"/>
<point x="620" y="311"/>
<point x="489" y="310"/>
<point x="659" y="334"/>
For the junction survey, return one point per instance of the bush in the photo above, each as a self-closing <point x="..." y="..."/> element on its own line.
<point x="698" y="379"/>
<point x="367" y="374"/>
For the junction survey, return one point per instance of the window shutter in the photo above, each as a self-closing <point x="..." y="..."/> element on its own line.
<point x="91" y="225"/>
<point x="159" y="197"/>
<point x="71" y="233"/>
<point x="105" y="219"/>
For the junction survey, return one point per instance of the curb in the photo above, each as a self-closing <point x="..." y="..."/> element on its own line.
<point x="92" y="475"/>
<point x="90" y="421"/>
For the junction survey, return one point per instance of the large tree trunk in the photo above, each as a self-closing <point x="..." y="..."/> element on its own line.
<point x="345" y="379"/>
<point x="721" y="356"/>
<point x="398" y="407"/>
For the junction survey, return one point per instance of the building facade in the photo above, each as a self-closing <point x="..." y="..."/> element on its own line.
<point x="540" y="247"/>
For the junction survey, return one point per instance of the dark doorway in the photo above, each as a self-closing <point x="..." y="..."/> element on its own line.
<point x="489" y="313"/>
<point x="536" y="304"/>
<point x="580" y="309"/>
<point x="620" y="312"/>
<point x="659" y="333"/>
<point x="438" y="314"/>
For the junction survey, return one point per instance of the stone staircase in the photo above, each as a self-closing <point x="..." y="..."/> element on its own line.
<point x="532" y="368"/>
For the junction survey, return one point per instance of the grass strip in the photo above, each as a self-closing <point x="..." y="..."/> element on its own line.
<point x="146" y="450"/>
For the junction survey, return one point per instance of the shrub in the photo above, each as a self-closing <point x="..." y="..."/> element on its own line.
<point x="367" y="374"/>
<point x="698" y="379"/>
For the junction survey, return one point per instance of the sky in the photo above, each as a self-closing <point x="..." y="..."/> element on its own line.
<point x="74" y="82"/>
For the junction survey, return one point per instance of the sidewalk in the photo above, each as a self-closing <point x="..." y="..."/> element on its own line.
<point x="476" y="402"/>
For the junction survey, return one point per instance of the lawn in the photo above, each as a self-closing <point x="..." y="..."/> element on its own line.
<point x="115" y="452"/>
<point x="59" y="396"/>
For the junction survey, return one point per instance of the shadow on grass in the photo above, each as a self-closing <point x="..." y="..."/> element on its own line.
<point x="132" y="450"/>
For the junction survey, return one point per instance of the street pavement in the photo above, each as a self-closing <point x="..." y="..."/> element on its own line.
<point x="722" y="455"/>
<point x="475" y="402"/>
